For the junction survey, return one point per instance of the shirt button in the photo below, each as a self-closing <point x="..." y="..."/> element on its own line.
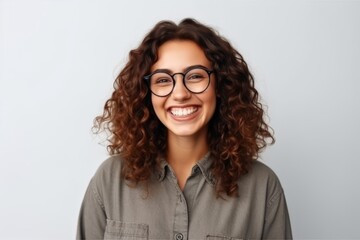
<point x="179" y="236"/>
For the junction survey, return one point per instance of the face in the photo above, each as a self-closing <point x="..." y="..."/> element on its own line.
<point x="182" y="112"/>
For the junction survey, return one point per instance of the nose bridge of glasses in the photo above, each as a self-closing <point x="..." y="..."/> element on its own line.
<point x="179" y="73"/>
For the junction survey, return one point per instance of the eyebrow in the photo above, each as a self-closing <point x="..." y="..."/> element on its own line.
<point x="184" y="70"/>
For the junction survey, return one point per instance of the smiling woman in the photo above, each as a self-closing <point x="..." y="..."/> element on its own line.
<point x="184" y="112"/>
<point x="186" y="129"/>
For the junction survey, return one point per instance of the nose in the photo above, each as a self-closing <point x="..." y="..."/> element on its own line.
<point x="180" y="92"/>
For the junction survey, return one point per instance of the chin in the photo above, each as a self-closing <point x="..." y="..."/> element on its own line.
<point x="186" y="132"/>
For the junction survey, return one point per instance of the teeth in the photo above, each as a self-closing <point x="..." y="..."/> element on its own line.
<point x="179" y="112"/>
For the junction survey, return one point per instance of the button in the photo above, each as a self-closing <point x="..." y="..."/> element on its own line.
<point x="179" y="236"/>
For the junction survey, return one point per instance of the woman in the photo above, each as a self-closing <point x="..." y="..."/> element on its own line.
<point x="186" y="128"/>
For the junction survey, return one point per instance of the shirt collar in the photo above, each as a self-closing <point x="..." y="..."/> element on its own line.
<point x="162" y="170"/>
<point x="204" y="165"/>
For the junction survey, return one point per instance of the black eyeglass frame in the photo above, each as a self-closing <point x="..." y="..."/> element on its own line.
<point x="183" y="74"/>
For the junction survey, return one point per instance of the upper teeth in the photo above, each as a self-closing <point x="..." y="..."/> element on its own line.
<point x="183" y="111"/>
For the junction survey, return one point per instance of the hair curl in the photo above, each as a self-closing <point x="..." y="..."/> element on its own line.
<point x="237" y="131"/>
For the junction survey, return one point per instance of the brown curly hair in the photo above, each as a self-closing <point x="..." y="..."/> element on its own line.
<point x="236" y="133"/>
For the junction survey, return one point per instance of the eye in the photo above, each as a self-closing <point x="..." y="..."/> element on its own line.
<point x="196" y="75"/>
<point x="161" y="79"/>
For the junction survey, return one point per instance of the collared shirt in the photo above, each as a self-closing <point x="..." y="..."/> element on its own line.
<point x="114" y="210"/>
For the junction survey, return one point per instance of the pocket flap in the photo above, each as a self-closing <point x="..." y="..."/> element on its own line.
<point x="122" y="229"/>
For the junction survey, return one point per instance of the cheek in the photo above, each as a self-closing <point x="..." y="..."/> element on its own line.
<point x="211" y="98"/>
<point x="209" y="101"/>
<point x="213" y="106"/>
<point x="213" y="103"/>
<point x="157" y="104"/>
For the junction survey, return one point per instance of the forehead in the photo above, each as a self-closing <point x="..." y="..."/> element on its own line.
<point x="176" y="55"/>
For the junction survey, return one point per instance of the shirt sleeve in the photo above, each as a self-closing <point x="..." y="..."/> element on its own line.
<point x="277" y="221"/>
<point x="92" y="218"/>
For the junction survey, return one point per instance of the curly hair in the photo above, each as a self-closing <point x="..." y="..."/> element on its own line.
<point x="237" y="131"/>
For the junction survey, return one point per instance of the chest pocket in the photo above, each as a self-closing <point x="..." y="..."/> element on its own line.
<point x="213" y="237"/>
<point x="125" y="231"/>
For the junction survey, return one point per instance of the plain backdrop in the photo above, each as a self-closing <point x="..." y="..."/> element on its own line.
<point x="58" y="62"/>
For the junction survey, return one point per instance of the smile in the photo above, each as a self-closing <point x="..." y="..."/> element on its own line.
<point x="181" y="112"/>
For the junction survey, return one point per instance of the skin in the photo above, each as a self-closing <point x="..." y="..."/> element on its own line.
<point x="187" y="133"/>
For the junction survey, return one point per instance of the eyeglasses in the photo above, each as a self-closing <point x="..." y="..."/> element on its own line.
<point x="196" y="79"/>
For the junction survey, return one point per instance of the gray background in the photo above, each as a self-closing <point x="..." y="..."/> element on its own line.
<point x="59" y="60"/>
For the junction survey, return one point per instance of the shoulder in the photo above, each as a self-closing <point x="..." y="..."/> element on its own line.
<point x="262" y="180"/>
<point x="261" y="170"/>
<point x="108" y="174"/>
<point x="110" y="166"/>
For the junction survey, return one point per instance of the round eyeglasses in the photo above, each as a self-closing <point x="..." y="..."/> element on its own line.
<point x="196" y="79"/>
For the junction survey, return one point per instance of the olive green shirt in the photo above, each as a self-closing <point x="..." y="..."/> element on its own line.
<point x="113" y="210"/>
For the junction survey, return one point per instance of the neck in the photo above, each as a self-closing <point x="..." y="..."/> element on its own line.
<point x="184" y="152"/>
